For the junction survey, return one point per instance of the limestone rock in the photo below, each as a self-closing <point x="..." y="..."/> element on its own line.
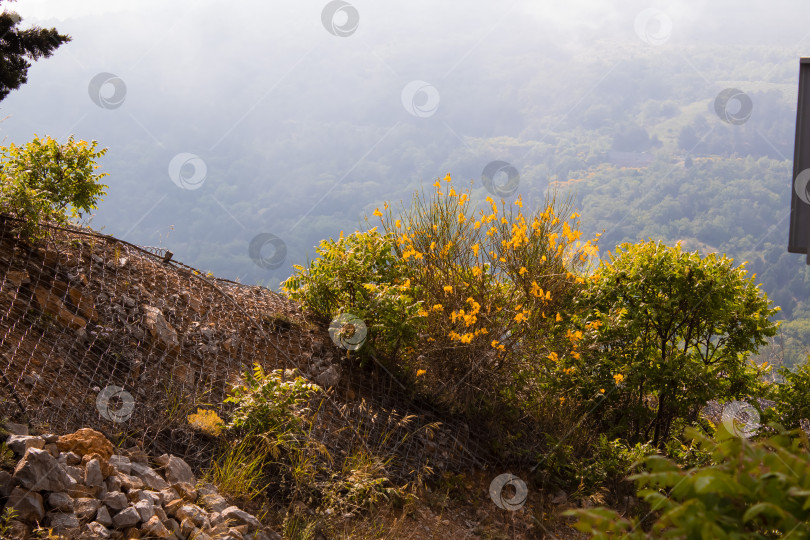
<point x="127" y="517"/>
<point x="103" y="516"/>
<point x="60" y="501"/>
<point x="61" y="521"/>
<point x="160" y="328"/>
<point x="84" y="304"/>
<point x="178" y="471"/>
<point x="154" y="527"/>
<point x="115" y="500"/>
<point x="96" y="530"/>
<point x="92" y="473"/>
<point x="28" y="504"/>
<point x="39" y="471"/>
<point x="86" y="508"/>
<point x="20" y="443"/>
<point x="234" y="515"/>
<point x="149" y="477"/>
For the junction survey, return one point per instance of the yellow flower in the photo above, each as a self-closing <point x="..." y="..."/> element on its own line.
<point x="495" y="342"/>
<point x="452" y="193"/>
<point x="602" y="390"/>
<point x="398" y="224"/>
<point x="461" y="217"/>
<point x="447" y="178"/>
<point x="553" y="357"/>
<point x="438" y="307"/>
<point x="420" y="372"/>
<point x="562" y="400"/>
<point x="559" y="317"/>
<point x="522" y="270"/>
<point x="407" y="284"/>
<point x="475" y="249"/>
<point x="437" y="184"/>
<point x="432" y="246"/>
<point x="377" y="212"/>
<point x="618" y="378"/>
<point x="448" y="288"/>
<point x="519" y="202"/>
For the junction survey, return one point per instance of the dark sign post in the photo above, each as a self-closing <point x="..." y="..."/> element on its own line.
<point x="799" y="239"/>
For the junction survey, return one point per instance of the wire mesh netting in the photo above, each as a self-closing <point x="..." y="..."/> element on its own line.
<point x="97" y="332"/>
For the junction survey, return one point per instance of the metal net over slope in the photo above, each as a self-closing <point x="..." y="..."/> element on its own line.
<point x="97" y="332"/>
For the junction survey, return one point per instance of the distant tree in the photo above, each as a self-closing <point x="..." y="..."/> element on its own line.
<point x="18" y="46"/>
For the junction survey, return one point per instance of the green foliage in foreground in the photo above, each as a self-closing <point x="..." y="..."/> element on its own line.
<point x="44" y="180"/>
<point x="752" y="490"/>
<point x="669" y="330"/>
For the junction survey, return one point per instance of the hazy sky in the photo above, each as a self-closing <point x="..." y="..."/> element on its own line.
<point x="326" y="88"/>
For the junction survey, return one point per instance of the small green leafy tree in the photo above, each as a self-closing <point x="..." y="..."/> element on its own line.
<point x="360" y="275"/>
<point x="44" y="180"/>
<point x="666" y="331"/>
<point x="752" y="490"/>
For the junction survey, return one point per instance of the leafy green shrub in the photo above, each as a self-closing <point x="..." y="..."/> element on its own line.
<point x="753" y="490"/>
<point x="44" y="180"/>
<point x="666" y="331"/>
<point x="793" y="396"/>
<point x="611" y="464"/>
<point x="360" y="274"/>
<point x="270" y="410"/>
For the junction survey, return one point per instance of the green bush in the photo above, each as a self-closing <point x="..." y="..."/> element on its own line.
<point x="664" y="332"/>
<point x="793" y="396"/>
<point x="44" y="180"/>
<point x="360" y="275"/>
<point x="753" y="490"/>
<point x="270" y="410"/>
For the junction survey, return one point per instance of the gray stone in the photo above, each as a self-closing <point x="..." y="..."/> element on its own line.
<point x="173" y="526"/>
<point x="160" y="328"/>
<point x="16" y="429"/>
<point x="28" y="504"/>
<point x="329" y="378"/>
<point x="121" y="463"/>
<point x="86" y="508"/>
<point x="115" y="500"/>
<point x="20" y="443"/>
<point x="60" y="501"/>
<point x="39" y="471"/>
<point x="92" y="473"/>
<point x="50" y="438"/>
<point x="150" y="478"/>
<point x="128" y="517"/>
<point x="113" y="483"/>
<point x="69" y="458"/>
<point x="96" y="530"/>
<point x="154" y="527"/>
<point x="76" y="473"/>
<point x="103" y="516"/>
<point x="193" y="513"/>
<point x="6" y="484"/>
<point x="146" y="510"/>
<point x="234" y="515"/>
<point x="178" y="471"/>
<point x="130" y="482"/>
<point x="62" y="520"/>
<point x="214" y="502"/>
